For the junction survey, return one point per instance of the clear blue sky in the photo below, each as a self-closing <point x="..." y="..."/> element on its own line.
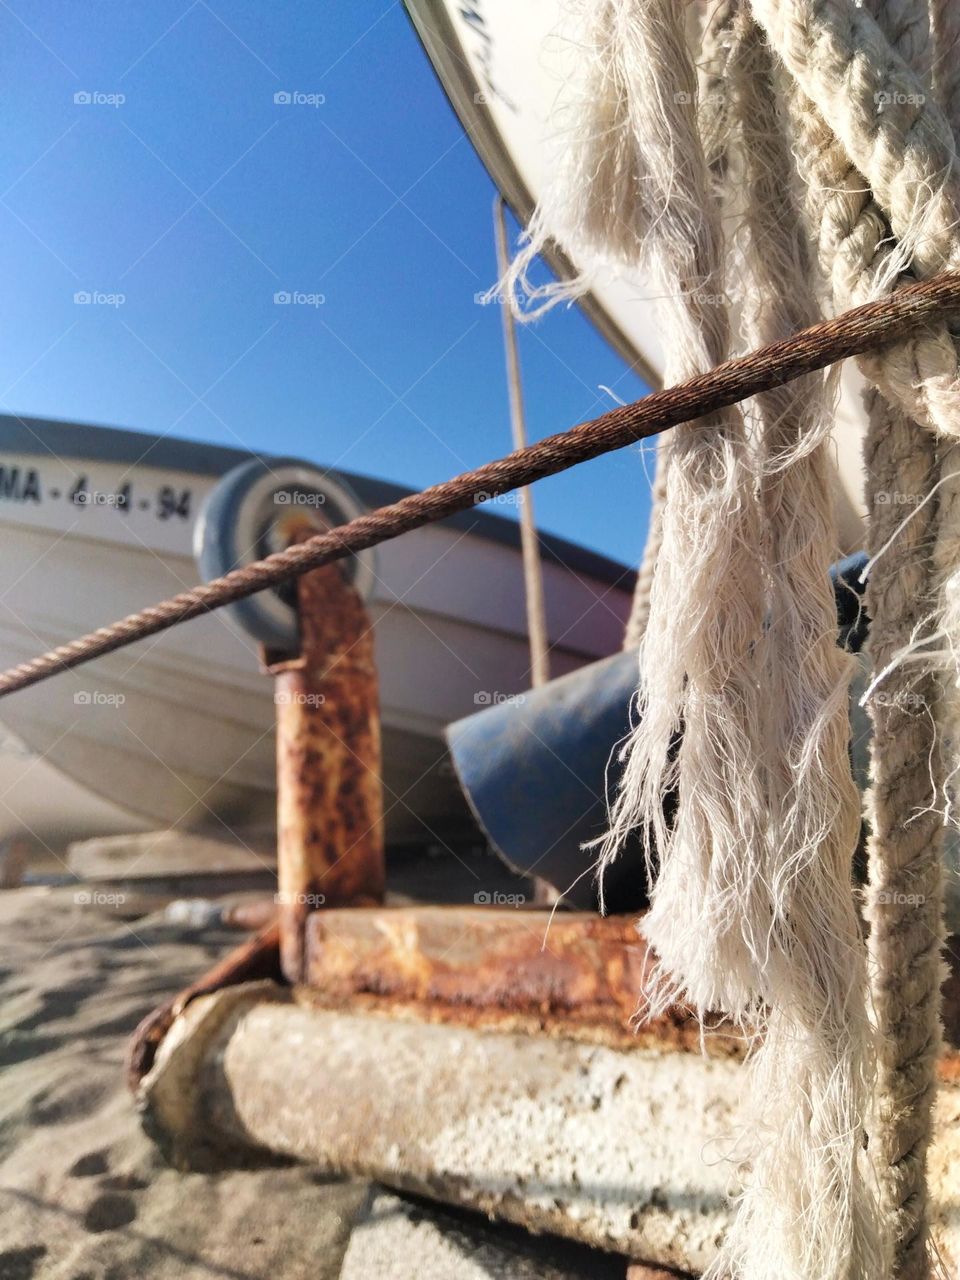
<point x="198" y="198"/>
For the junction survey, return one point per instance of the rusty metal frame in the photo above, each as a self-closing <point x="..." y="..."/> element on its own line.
<point x="329" y="792"/>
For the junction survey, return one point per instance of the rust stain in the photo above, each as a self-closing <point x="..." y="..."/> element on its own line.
<point x="329" y="795"/>
<point x="483" y="970"/>
<point x="483" y="967"/>
<point x="487" y="970"/>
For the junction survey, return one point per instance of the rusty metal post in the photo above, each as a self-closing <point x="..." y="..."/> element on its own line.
<point x="329" y="796"/>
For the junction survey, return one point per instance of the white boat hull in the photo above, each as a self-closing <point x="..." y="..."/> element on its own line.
<point x="177" y="729"/>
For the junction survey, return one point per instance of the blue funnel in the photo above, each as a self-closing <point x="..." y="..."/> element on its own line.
<point x="538" y="769"/>
<point x="534" y="770"/>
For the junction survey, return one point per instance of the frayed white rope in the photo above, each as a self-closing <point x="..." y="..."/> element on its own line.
<point x="808" y="1208"/>
<point x="752" y="908"/>
<point x="702" y="676"/>
<point x="764" y="827"/>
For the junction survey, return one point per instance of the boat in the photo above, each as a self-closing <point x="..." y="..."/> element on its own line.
<point x="177" y="731"/>
<point x="502" y="66"/>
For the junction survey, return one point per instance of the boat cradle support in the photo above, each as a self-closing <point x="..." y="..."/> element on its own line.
<point x="486" y="1058"/>
<point x="329" y="791"/>
<point x="480" y="1056"/>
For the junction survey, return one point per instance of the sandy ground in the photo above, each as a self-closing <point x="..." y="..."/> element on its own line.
<point x="83" y="1193"/>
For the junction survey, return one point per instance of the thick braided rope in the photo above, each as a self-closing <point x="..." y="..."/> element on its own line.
<point x="945" y="20"/>
<point x="922" y="375"/>
<point x="945" y="24"/>
<point x="946" y="85"/>
<point x="716" y="45"/>
<point x="891" y="129"/>
<point x="808" y="1207"/>
<point x="905" y="844"/>
<point x="905" y="921"/>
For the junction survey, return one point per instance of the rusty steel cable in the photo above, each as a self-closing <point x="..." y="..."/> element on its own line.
<point x="852" y="333"/>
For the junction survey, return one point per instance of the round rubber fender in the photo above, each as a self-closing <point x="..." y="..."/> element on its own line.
<point x="260" y="507"/>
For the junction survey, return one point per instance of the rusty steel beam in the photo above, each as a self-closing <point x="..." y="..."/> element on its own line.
<point x="329" y="795"/>
<point x="491" y="966"/>
<point x="578" y="975"/>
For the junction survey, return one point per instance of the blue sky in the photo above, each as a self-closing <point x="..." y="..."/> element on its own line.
<point x="197" y="198"/>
